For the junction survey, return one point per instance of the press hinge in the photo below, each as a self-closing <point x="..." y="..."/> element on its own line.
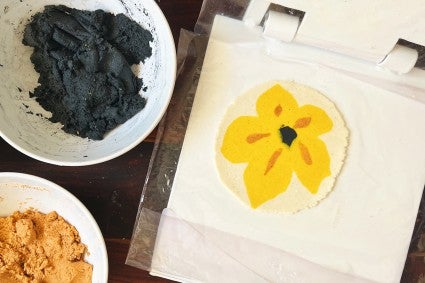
<point x="284" y="27"/>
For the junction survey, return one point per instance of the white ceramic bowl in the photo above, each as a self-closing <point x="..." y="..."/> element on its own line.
<point x="37" y="137"/>
<point x="21" y="191"/>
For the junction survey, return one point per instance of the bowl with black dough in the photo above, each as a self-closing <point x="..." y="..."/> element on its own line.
<point x="83" y="82"/>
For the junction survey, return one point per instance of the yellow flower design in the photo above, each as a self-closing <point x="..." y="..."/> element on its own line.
<point x="281" y="140"/>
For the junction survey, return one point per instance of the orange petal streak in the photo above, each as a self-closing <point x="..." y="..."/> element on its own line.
<point x="302" y="122"/>
<point x="273" y="160"/>
<point x="256" y="137"/>
<point x="278" y="110"/>
<point x="305" y="154"/>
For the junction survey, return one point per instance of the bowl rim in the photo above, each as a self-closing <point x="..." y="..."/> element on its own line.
<point x="49" y="184"/>
<point x="162" y="109"/>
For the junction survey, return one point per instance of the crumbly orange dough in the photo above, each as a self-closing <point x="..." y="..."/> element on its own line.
<point x="37" y="247"/>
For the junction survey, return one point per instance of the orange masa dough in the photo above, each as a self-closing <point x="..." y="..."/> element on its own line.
<point x="37" y="247"/>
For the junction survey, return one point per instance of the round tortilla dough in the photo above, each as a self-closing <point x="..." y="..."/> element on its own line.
<point x="296" y="196"/>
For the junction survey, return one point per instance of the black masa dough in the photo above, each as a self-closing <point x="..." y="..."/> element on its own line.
<point x="84" y="59"/>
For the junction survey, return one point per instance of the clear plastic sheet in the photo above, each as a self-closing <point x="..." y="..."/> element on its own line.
<point x="157" y="188"/>
<point x="171" y="131"/>
<point x="188" y="252"/>
<point x="169" y="140"/>
<point x="230" y="8"/>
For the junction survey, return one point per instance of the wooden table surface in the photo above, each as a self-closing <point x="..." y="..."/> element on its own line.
<point x="111" y="190"/>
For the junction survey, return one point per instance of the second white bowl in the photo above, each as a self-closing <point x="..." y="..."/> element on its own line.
<point x="19" y="192"/>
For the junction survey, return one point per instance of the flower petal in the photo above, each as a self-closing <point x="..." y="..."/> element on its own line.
<point x="276" y="102"/>
<point x="267" y="176"/>
<point x="311" y="120"/>
<point x="311" y="162"/>
<point x="247" y="137"/>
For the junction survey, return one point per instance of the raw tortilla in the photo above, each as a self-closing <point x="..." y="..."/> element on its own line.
<point x="296" y="196"/>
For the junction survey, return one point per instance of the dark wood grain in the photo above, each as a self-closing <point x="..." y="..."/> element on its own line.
<point x="180" y="14"/>
<point x="111" y="190"/>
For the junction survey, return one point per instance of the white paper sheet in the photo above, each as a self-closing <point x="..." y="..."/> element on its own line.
<point x="364" y="227"/>
<point x="188" y="252"/>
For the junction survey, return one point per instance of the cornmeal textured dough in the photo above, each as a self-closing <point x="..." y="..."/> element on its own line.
<point x="320" y="152"/>
<point x="36" y="247"/>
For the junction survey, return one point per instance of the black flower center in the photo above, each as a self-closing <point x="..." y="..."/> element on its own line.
<point x="288" y="135"/>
